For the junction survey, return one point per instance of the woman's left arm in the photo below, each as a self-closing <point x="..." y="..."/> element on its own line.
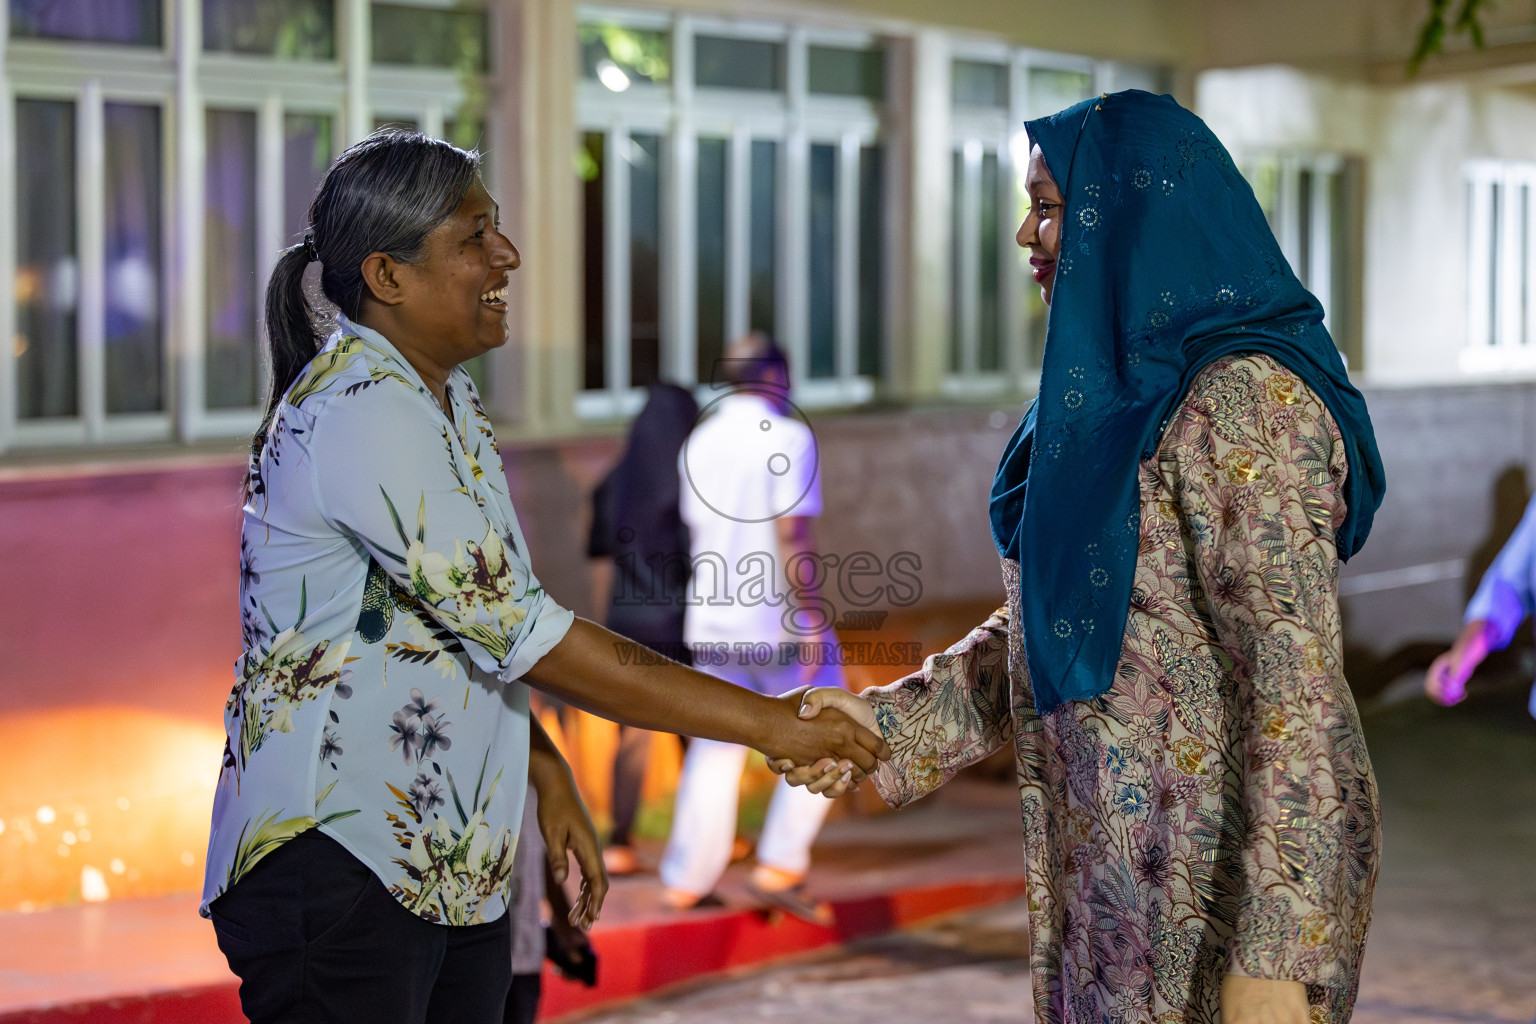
<point x="1258" y="476"/>
<point x="565" y="825"/>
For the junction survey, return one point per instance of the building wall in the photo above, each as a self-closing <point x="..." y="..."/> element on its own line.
<point x="1415" y="142"/>
<point x="1460" y="463"/>
<point x="1166" y="31"/>
<point x="122" y="582"/>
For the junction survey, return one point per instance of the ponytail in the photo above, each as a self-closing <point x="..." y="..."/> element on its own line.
<point x="292" y="340"/>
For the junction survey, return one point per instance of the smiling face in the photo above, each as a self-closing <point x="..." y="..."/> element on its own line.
<point x="1041" y="231"/>
<point x="453" y="302"/>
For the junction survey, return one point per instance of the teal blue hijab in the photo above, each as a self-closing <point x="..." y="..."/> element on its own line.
<point x="1166" y="264"/>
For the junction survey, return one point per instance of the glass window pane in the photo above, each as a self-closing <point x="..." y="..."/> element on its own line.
<point x="1264" y="176"/>
<point x="430" y="37"/>
<point x="136" y="22"/>
<point x="1051" y="90"/>
<point x="989" y="268"/>
<point x="711" y="256"/>
<point x="644" y="160"/>
<point x="823" y="261"/>
<point x="229" y="213"/>
<point x="1151" y="78"/>
<point x="1343" y="272"/>
<point x="978" y="84"/>
<point x="871" y="259"/>
<point x="1303" y="266"/>
<point x="300" y="29"/>
<point x="738" y="63"/>
<point x="1341" y="275"/>
<point x="834" y="71"/>
<point x="132" y="253"/>
<point x="306" y="154"/>
<point x="957" y="299"/>
<point x="47" y="271"/>
<point x="479" y="370"/>
<point x="1495" y="247"/>
<point x="466" y="129"/>
<point x="589" y="170"/>
<point x="619" y="56"/>
<point x="765" y="224"/>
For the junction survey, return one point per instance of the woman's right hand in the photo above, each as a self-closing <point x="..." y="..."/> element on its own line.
<point x="802" y="734"/>
<point x="828" y="777"/>
<point x="593" y="669"/>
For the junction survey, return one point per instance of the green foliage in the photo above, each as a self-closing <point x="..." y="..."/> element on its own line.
<point x="1433" y="34"/>
<point x="646" y="53"/>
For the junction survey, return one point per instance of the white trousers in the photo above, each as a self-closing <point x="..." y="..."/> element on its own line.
<point x="704" y="820"/>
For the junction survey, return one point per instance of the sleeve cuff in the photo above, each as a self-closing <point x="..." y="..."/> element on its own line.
<point x="1497" y="603"/>
<point x="549" y="624"/>
<point x="892" y="782"/>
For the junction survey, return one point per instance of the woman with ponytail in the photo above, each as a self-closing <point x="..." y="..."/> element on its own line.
<point x="379" y="743"/>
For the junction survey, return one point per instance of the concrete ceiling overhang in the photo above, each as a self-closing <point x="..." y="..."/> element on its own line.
<point x="1509" y="63"/>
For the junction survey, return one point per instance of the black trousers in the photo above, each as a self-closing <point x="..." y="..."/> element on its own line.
<point x="523" y="999"/>
<point x="316" y="938"/>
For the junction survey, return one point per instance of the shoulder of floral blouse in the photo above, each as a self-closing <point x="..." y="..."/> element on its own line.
<point x="994" y="628"/>
<point x="1282" y="387"/>
<point x="1210" y="388"/>
<point x="992" y="631"/>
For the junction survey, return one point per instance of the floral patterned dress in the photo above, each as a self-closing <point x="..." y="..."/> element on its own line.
<point x="388" y="613"/>
<point x="1215" y="811"/>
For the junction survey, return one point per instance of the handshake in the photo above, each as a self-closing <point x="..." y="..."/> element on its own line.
<point x="832" y="776"/>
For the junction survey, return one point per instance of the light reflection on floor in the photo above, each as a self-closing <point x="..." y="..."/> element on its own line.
<point x="113" y="802"/>
<point x="102" y="803"/>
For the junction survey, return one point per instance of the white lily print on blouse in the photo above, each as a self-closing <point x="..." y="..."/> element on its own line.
<point x="290" y="670"/>
<point x="475" y="594"/>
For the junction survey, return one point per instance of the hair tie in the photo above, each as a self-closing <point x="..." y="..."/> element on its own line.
<point x="311" y="254"/>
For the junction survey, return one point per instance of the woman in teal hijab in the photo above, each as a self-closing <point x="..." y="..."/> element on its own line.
<point x="1200" y="815"/>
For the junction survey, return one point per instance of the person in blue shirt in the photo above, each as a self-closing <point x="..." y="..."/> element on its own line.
<point x="1506" y="595"/>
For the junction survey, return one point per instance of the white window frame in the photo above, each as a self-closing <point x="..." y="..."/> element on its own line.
<point x="1501" y="339"/>
<point x="1319" y="257"/>
<point x="52" y="70"/>
<point x="679" y="113"/>
<point x="1325" y="168"/>
<point x="185" y="81"/>
<point x="976" y="132"/>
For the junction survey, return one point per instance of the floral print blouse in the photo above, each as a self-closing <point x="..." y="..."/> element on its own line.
<point x="387" y="612"/>
<point x="1215" y="811"/>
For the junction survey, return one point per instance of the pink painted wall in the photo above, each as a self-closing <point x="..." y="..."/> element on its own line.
<point x="119" y="588"/>
<point x="118" y="585"/>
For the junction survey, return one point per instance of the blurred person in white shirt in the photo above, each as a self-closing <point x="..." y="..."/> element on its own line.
<point x="750" y="493"/>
